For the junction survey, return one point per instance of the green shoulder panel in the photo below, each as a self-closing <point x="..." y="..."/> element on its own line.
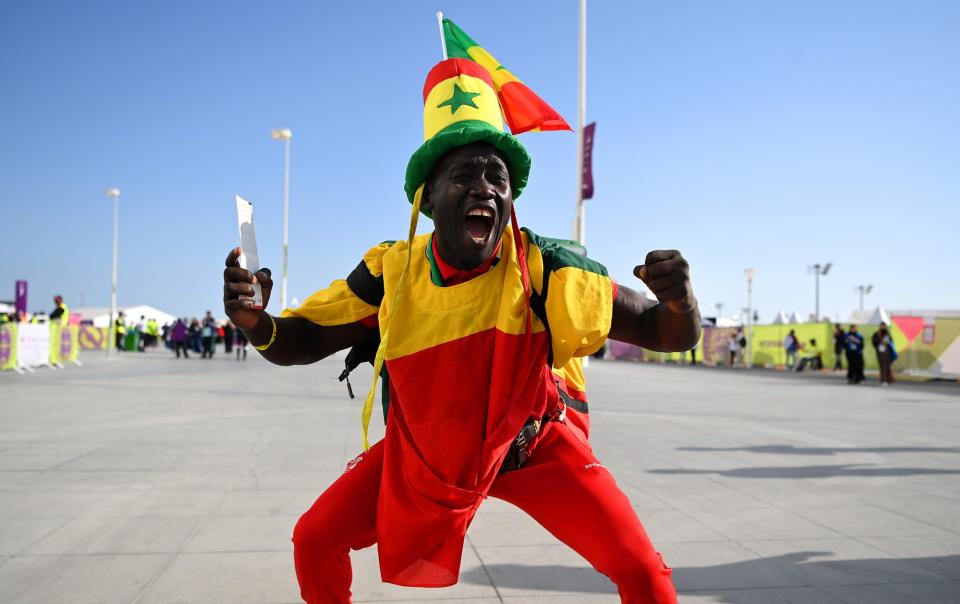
<point x="563" y="253"/>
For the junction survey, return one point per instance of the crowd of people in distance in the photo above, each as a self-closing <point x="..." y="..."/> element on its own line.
<point x="200" y="336"/>
<point x="846" y="344"/>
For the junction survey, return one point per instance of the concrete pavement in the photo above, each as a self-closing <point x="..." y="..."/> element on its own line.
<point x="147" y="480"/>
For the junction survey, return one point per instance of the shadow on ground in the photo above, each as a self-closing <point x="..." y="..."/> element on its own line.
<point x="793" y="450"/>
<point x="793" y="570"/>
<point x="800" y="472"/>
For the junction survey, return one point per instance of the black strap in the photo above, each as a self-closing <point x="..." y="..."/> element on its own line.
<point x="571" y="402"/>
<point x="367" y="287"/>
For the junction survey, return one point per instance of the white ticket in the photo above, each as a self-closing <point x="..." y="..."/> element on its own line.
<point x="249" y="258"/>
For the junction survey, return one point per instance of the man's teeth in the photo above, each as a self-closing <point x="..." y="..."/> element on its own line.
<point x="482" y="212"/>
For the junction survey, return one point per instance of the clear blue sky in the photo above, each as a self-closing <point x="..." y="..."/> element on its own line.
<point x="763" y="134"/>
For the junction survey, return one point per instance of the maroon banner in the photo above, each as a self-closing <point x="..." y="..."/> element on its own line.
<point x="586" y="192"/>
<point x="21" y="298"/>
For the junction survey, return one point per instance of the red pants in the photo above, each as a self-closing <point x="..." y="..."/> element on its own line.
<point x="562" y="486"/>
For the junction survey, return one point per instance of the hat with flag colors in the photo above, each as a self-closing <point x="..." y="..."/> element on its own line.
<point x="522" y="108"/>
<point x="460" y="106"/>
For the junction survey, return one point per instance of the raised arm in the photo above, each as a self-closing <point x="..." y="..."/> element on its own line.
<point x="297" y="341"/>
<point x="670" y="325"/>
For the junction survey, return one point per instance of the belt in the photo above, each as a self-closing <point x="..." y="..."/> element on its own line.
<point x="519" y="451"/>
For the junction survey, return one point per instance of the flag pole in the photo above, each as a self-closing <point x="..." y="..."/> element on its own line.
<point x="581" y="234"/>
<point x="443" y="40"/>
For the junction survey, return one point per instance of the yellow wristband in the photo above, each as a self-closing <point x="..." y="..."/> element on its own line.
<point x="273" y="336"/>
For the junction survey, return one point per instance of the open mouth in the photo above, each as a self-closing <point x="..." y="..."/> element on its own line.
<point x="479" y="223"/>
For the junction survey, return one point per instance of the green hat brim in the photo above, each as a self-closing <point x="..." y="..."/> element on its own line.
<point x="464" y="133"/>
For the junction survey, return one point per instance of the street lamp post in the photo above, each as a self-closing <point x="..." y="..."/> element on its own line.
<point x="863" y="289"/>
<point x="817" y="270"/>
<point x="750" y="273"/>
<point x="284" y="134"/>
<point x="111" y="336"/>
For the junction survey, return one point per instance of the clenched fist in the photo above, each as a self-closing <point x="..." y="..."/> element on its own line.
<point x="667" y="275"/>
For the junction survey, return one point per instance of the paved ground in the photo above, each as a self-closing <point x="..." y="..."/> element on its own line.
<point x="150" y="480"/>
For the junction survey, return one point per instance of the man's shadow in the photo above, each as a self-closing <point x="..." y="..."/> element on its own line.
<point x="732" y="583"/>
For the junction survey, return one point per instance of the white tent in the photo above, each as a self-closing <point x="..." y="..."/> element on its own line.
<point x="781" y="319"/>
<point x="101" y="316"/>
<point x="867" y="316"/>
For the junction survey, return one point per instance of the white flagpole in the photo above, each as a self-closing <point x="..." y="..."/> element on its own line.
<point x="443" y="40"/>
<point x="581" y="234"/>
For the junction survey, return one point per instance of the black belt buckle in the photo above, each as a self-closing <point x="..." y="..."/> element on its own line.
<point x="518" y="453"/>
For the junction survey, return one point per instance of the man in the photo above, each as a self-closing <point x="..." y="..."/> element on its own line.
<point x="733" y="346"/>
<point x="812" y="356"/>
<point x="839" y="344"/>
<point x="208" y="333"/>
<point x="119" y="330"/>
<point x="854" y="350"/>
<point x="481" y="394"/>
<point x="886" y="354"/>
<point x="791" y="344"/>
<point x="60" y="315"/>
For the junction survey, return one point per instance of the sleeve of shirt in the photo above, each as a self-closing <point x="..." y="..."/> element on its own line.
<point x="354" y="299"/>
<point x="576" y="295"/>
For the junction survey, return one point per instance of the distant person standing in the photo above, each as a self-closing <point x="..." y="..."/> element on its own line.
<point x="153" y="332"/>
<point x="228" y="331"/>
<point x="241" y="344"/>
<point x="208" y="335"/>
<point x="141" y="334"/>
<point x="60" y="315"/>
<point x="886" y="354"/>
<point x="839" y="344"/>
<point x="178" y="338"/>
<point x="119" y="330"/>
<point x="791" y="344"/>
<point x="854" y="348"/>
<point x="732" y="347"/>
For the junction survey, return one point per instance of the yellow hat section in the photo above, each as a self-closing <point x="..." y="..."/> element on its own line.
<point x="437" y="116"/>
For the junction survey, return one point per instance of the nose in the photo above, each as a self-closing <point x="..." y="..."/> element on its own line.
<point x="481" y="188"/>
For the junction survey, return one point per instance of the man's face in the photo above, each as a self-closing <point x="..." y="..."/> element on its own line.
<point x="470" y="197"/>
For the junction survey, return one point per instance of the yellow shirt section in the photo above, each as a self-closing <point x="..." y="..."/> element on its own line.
<point x="429" y="315"/>
<point x="335" y="305"/>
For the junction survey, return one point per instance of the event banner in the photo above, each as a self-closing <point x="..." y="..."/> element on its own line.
<point x="8" y="346"/>
<point x="64" y="344"/>
<point x="92" y="338"/>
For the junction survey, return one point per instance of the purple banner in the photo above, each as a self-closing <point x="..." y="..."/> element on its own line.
<point x="21" y="297"/>
<point x="586" y="192"/>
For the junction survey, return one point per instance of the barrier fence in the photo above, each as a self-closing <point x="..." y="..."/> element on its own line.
<point x="924" y="345"/>
<point x="27" y="345"/>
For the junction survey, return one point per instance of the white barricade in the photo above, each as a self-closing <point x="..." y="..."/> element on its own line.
<point x="33" y="345"/>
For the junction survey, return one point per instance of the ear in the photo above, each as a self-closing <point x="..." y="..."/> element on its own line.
<point x="426" y="203"/>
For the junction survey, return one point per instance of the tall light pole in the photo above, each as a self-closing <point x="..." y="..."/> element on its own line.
<point x="111" y="336"/>
<point x="750" y="273"/>
<point x="863" y="289"/>
<point x="284" y="134"/>
<point x="817" y="270"/>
